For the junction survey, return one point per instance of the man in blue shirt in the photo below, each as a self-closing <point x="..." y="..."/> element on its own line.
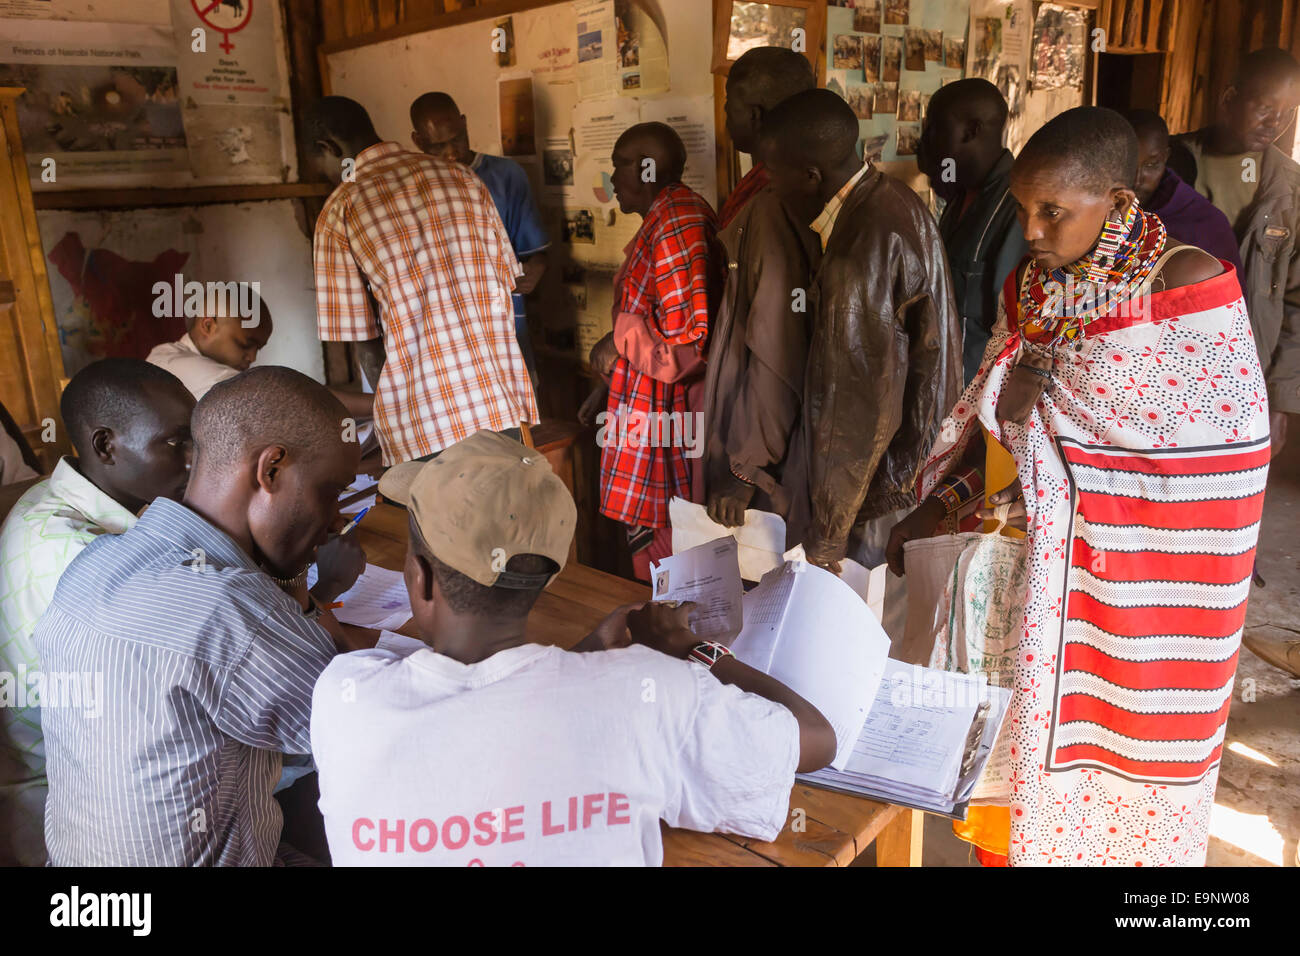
<point x="187" y="647"/>
<point x="440" y="129"/>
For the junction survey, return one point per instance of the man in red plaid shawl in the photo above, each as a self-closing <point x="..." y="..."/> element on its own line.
<point x="650" y="434"/>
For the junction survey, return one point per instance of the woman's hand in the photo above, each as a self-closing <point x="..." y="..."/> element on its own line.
<point x="921" y="523"/>
<point x="1014" y="495"/>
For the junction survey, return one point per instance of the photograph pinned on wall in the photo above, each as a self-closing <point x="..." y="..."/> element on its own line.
<point x="914" y="40"/>
<point x="986" y="40"/>
<point x="886" y="98"/>
<point x="590" y="46"/>
<point x="933" y="46"/>
<point x="1059" y="41"/>
<point x="871" y="59"/>
<point x="631" y="81"/>
<point x="753" y="24"/>
<point x="557" y="167"/>
<point x="872" y="148"/>
<point x="580" y="226"/>
<point x="837" y="83"/>
<point x="896" y="11"/>
<point x="504" y="42"/>
<point x="909" y="136"/>
<point x="866" y="16"/>
<point x="909" y="106"/>
<point x="954" y="53"/>
<point x="891" y="58"/>
<point x="925" y="105"/>
<point x="518" y="125"/>
<point x="848" y="52"/>
<point x="860" y="98"/>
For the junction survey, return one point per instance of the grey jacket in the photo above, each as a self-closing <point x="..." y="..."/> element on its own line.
<point x="1270" y="254"/>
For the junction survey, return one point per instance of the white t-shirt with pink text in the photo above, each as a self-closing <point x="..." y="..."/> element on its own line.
<point x="539" y="757"/>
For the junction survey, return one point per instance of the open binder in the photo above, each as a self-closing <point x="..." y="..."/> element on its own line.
<point x="926" y="741"/>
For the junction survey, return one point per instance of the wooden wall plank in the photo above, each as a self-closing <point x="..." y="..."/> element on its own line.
<point x="333" y="23"/>
<point x="386" y="14"/>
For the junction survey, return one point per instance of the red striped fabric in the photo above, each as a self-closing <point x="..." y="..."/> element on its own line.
<point x="1140" y="565"/>
<point x="1154" y="700"/>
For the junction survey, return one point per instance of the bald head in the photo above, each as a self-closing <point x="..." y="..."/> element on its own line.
<point x="1260" y="103"/>
<point x="647" y="158"/>
<point x="265" y="406"/>
<point x="962" y="138"/>
<point x="814" y="127"/>
<point x="129" y="422"/>
<point x="758" y="81"/>
<point x="439" y="129"/>
<point x="809" y="143"/>
<point x="660" y="142"/>
<point x="272" y="453"/>
<point x="336" y="128"/>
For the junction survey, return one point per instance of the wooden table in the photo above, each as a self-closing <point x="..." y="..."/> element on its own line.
<point x="823" y="828"/>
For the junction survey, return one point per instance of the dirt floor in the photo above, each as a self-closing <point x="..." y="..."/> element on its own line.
<point x="1256" y="819"/>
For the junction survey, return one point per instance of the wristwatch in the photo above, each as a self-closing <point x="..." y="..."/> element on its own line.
<point x="313" y="611"/>
<point x="709" y="653"/>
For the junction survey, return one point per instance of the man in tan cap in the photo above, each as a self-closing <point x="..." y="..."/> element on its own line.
<point x="473" y="746"/>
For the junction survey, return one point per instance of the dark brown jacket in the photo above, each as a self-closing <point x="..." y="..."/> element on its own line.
<point x="758" y="348"/>
<point x="884" y="365"/>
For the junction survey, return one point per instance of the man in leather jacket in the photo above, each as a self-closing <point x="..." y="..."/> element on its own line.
<point x="758" y="343"/>
<point x="884" y="362"/>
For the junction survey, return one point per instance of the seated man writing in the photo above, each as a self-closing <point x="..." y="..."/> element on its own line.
<point x="203" y="639"/>
<point x="473" y="746"/>
<point x="221" y="344"/>
<point x="129" y="423"/>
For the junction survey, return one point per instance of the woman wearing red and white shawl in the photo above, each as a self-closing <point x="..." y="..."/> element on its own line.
<point x="1121" y="408"/>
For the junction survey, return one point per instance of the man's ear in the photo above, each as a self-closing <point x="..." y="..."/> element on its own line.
<point x="971" y="129"/>
<point x="101" y="445"/>
<point x="328" y="146"/>
<point x="419" y="577"/>
<point x="415" y="141"/>
<point x="270" y="465"/>
<point x="814" y="177"/>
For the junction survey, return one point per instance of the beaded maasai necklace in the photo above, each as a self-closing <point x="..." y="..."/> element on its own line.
<point x="1061" y="302"/>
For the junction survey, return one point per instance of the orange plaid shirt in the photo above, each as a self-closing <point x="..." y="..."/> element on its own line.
<point x="424" y="236"/>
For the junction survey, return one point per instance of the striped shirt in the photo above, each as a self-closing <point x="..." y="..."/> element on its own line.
<point x="425" y="238"/>
<point x="177" y="673"/>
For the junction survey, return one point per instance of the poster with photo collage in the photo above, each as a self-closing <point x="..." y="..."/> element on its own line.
<point x="886" y="58"/>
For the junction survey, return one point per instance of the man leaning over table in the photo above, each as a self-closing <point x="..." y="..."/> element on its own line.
<point x="473" y="746"/>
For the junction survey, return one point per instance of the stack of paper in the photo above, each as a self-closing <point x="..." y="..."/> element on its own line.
<point x="925" y="742"/>
<point x="708" y="576"/>
<point x="809" y="630"/>
<point x="378" y="599"/>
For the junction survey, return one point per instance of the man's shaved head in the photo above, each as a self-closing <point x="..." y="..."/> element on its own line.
<point x="973" y="97"/>
<point x="660" y="142"/>
<point x="1259" y="104"/>
<point x="1148" y="123"/>
<point x="758" y="81"/>
<point x="961" y="141"/>
<point x="270" y="405"/>
<point x="129" y="422"/>
<point x="439" y="129"/>
<point x="647" y="158"/>
<point x="336" y="128"/>
<point x="271" y="457"/>
<point x="814" y="127"/>
<point x="1153" y="151"/>
<point x="809" y="143"/>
